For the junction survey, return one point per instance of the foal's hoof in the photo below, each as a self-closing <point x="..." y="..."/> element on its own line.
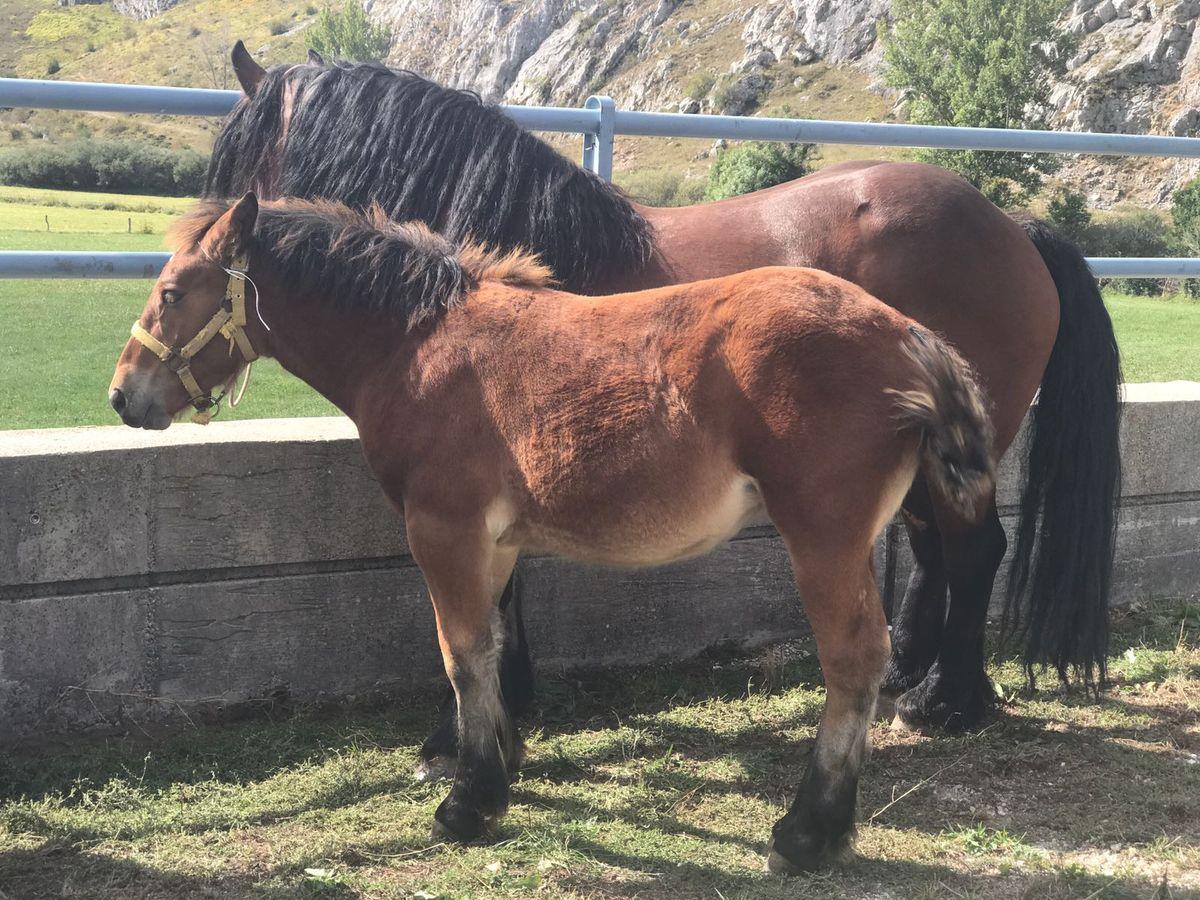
<point x="436" y="769"/>
<point x="799" y="853"/>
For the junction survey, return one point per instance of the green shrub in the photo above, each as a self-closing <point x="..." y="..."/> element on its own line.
<point x="1139" y="232"/>
<point x="1069" y="212"/>
<point x="756" y="165"/>
<point x="347" y="33"/>
<point x="982" y="63"/>
<point x="1185" y="233"/>
<point x="698" y="86"/>
<point x="115" y="166"/>
<point x="53" y="67"/>
<point x="278" y="28"/>
<point x="659" y="187"/>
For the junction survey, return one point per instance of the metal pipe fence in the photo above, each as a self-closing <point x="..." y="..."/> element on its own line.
<point x="599" y="121"/>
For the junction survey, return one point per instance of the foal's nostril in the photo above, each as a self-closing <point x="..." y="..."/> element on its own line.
<point x="117" y="398"/>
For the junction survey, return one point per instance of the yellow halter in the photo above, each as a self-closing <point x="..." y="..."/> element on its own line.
<point x="229" y="320"/>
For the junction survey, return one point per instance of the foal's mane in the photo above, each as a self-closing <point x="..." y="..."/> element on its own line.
<point x="364" y="260"/>
<point x="360" y="133"/>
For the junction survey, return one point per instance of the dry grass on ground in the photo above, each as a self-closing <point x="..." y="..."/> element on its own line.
<point x="656" y="783"/>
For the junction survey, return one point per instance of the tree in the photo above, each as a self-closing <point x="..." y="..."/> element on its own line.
<point x="1185" y="231"/>
<point x="347" y="33"/>
<point x="983" y="63"/>
<point x="755" y="165"/>
<point x="1185" y="212"/>
<point x="1068" y="210"/>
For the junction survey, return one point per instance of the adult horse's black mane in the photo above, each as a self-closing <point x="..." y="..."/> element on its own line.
<point x="361" y="133"/>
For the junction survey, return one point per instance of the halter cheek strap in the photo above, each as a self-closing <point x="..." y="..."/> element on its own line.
<point x="229" y="321"/>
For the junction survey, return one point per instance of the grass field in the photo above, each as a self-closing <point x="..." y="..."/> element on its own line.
<point x="61" y="338"/>
<point x="651" y="783"/>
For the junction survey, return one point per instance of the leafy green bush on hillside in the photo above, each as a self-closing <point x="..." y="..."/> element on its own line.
<point x="123" y="167"/>
<point x="1069" y="212"/>
<point x="981" y="63"/>
<point x="1185" y="210"/>
<point x="347" y="33"/>
<point x="756" y="165"/>
<point x="656" y="187"/>
<point x="1136" y="232"/>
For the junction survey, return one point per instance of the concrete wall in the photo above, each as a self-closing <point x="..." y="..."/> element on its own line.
<point x="148" y="577"/>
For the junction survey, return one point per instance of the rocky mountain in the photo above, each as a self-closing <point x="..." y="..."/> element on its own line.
<point x="1137" y="68"/>
<point x="135" y="9"/>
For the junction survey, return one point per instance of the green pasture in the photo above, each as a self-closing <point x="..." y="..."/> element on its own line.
<point x="61" y="337"/>
<point x="653" y="783"/>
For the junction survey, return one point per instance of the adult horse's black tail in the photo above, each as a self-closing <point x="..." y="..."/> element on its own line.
<point x="1061" y="572"/>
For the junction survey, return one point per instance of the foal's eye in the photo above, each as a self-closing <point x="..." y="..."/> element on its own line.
<point x="172" y="297"/>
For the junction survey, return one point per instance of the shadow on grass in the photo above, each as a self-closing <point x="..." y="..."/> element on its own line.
<point x="1116" y="774"/>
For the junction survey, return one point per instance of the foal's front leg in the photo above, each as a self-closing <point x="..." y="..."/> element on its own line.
<point x="466" y="573"/>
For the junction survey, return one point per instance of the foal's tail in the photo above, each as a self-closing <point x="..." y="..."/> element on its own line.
<point x="948" y="407"/>
<point x="1061" y="572"/>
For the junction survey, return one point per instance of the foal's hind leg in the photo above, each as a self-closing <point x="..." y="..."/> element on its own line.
<point x="844" y="608"/>
<point x="466" y="573"/>
<point x="917" y="621"/>
<point x="956" y="693"/>
<point x="439" y="753"/>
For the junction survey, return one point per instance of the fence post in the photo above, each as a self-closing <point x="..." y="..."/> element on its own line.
<point x="598" y="146"/>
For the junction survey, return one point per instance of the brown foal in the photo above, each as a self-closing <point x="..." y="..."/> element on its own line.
<point x="500" y="415"/>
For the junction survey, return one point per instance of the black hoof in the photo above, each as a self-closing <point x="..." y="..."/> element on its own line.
<point x="899" y="679"/>
<point x="932" y="707"/>
<point x="794" y="853"/>
<point x="457" y="823"/>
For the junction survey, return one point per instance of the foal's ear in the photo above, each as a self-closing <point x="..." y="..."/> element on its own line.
<point x="242" y="218"/>
<point x="233" y="233"/>
<point x="315" y="58"/>
<point x="249" y="73"/>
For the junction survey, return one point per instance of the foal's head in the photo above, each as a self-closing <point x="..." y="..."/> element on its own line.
<point x="147" y="389"/>
<point x="201" y="324"/>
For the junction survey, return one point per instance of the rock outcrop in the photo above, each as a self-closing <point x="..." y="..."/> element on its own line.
<point x="1136" y="68"/>
<point x="142" y="9"/>
<point x="135" y="9"/>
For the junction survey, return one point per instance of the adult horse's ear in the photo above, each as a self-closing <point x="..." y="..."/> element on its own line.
<point x="249" y="73"/>
<point x="315" y="58"/>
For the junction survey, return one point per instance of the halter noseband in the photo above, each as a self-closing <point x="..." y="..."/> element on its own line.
<point x="229" y="320"/>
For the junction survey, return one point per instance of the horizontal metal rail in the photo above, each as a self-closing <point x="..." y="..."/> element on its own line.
<point x="140" y="98"/>
<point x="89" y="264"/>
<point x="599" y="122"/>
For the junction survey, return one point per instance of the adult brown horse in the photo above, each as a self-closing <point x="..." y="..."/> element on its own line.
<point x="655" y="425"/>
<point x="1018" y="301"/>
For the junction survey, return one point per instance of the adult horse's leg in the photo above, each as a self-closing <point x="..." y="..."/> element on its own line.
<point x="956" y="693"/>
<point x="439" y="753"/>
<point x="466" y="573"/>
<point x="846" y="614"/>
<point x="917" y="621"/>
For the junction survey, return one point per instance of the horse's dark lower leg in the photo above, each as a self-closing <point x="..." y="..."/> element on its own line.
<point x="440" y="750"/>
<point x="852" y="643"/>
<point x="956" y="694"/>
<point x="488" y="747"/>
<point x="917" y="622"/>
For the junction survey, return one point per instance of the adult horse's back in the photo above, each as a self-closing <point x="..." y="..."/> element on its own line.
<point x="1016" y="299"/>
